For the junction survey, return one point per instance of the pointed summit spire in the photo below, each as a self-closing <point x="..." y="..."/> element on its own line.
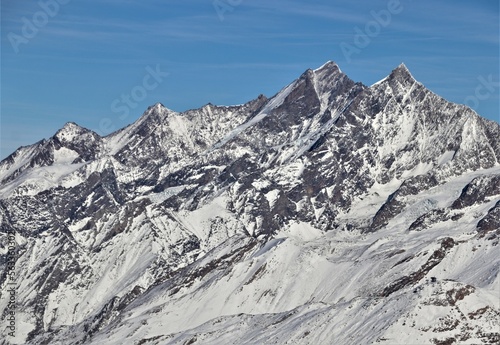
<point x="329" y="70"/>
<point x="402" y="74"/>
<point x="329" y="65"/>
<point x="69" y="131"/>
<point x="403" y="67"/>
<point x="70" y="125"/>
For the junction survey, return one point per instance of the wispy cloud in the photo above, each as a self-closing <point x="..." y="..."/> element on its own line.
<point x="334" y="11"/>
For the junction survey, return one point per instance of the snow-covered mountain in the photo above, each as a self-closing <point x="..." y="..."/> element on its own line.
<point x="330" y="213"/>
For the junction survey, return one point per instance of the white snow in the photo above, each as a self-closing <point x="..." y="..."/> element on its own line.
<point x="236" y="285"/>
<point x="64" y="156"/>
<point x="446" y="157"/>
<point x="301" y="231"/>
<point x="69" y="132"/>
<point x="38" y="179"/>
<point x="272" y="196"/>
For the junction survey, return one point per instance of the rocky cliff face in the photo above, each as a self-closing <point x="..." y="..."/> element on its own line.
<point x="331" y="212"/>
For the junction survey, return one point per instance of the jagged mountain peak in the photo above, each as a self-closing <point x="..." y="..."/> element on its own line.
<point x="329" y="65"/>
<point x="388" y="196"/>
<point x="402" y="66"/>
<point x="71" y="131"/>
<point x="70" y="125"/>
<point x="318" y="88"/>
<point x="157" y="110"/>
<point x="329" y="69"/>
<point x="152" y="117"/>
<point x="402" y="74"/>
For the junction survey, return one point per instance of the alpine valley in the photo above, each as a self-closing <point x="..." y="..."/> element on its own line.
<point x="330" y="213"/>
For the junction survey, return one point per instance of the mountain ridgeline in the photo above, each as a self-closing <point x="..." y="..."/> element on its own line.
<point x="332" y="212"/>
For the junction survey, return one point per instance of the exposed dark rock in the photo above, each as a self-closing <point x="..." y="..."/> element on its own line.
<point x="313" y="153"/>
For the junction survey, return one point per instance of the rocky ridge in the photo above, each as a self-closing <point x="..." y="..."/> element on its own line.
<point x="331" y="200"/>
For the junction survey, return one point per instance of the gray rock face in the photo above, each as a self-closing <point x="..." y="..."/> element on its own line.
<point x="176" y="202"/>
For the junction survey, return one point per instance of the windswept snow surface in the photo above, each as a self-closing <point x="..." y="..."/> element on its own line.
<point x="308" y="287"/>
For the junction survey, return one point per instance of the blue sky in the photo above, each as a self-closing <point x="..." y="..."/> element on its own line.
<point x="101" y="63"/>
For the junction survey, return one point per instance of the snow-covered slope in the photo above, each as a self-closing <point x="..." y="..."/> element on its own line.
<point x="330" y="213"/>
